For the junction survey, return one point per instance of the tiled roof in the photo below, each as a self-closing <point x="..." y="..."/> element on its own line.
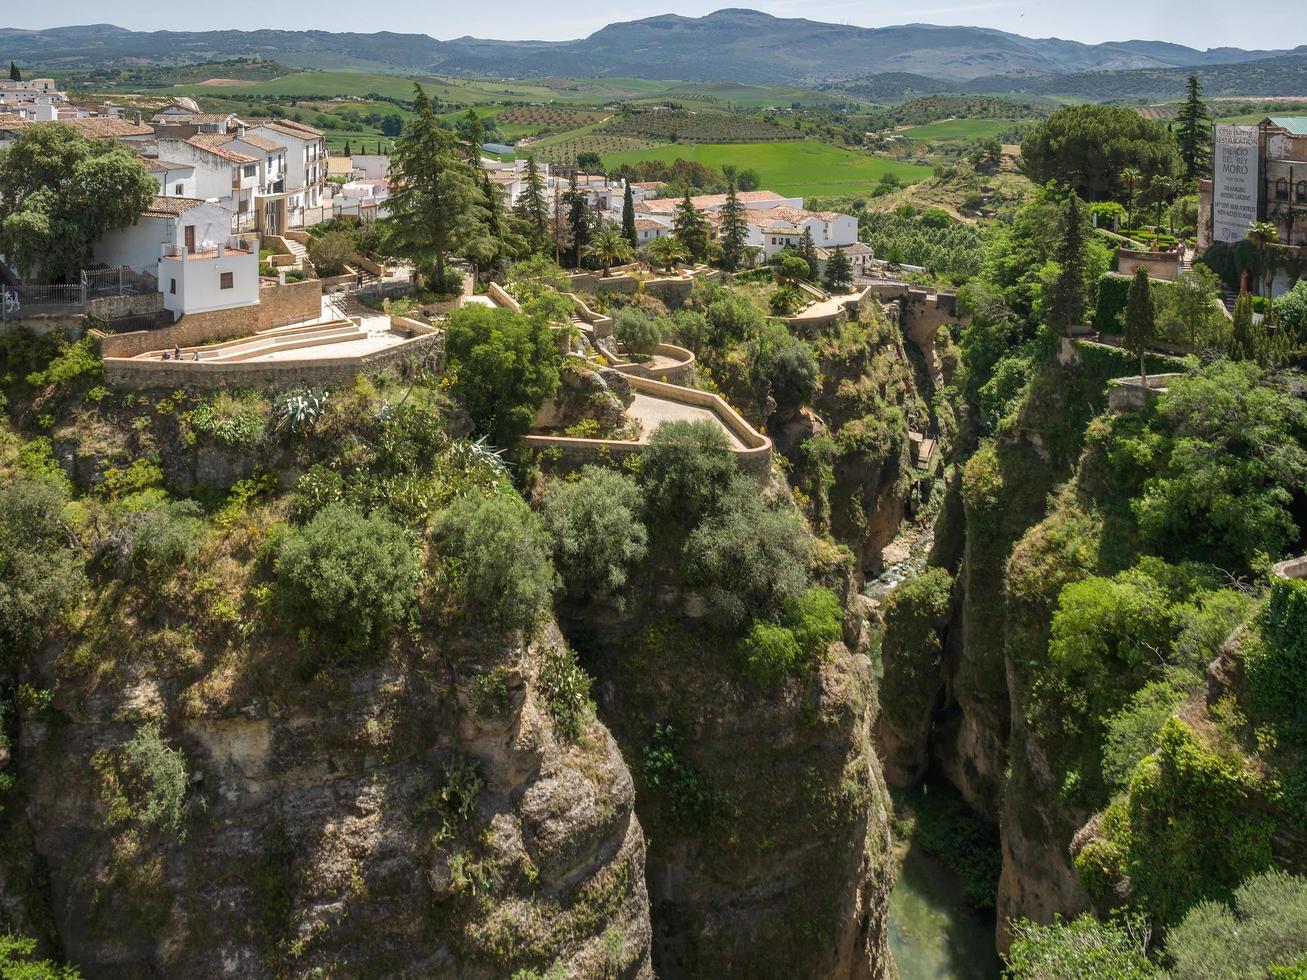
<point x="262" y="142"/>
<point x="649" y="185"/>
<point x="704" y="202"/>
<point x="101" y="127"/>
<point x="155" y="165"/>
<point x="1297" y="125"/>
<point x="793" y="216"/>
<point x="215" y="143"/>
<point x="288" y="128"/>
<point x="170" y="207"/>
<point x="648" y="224"/>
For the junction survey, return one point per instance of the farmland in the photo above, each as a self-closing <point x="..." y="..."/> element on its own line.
<point x="964" y="130"/>
<point x="699" y="127"/>
<point x="800" y="168"/>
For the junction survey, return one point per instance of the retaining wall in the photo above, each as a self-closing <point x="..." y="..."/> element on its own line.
<point x="676" y="374"/>
<point x="128" y="304"/>
<point x="501" y="297"/>
<point x="1160" y="265"/>
<point x="754" y="459"/>
<point x="1128" y="395"/>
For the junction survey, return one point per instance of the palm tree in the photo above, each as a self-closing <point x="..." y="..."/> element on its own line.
<point x="1162" y="189"/>
<point x="608" y="247"/>
<point x="1263" y="234"/>
<point x="667" y="251"/>
<point x="1132" y="177"/>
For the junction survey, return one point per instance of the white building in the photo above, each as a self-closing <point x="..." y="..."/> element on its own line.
<point x="187" y="245"/>
<point x="372" y="165"/>
<point x="647" y="229"/>
<point x="223" y="174"/>
<point x="777" y="228"/>
<point x="703" y="203"/>
<point x="175" y="179"/>
<point x="306" y="166"/>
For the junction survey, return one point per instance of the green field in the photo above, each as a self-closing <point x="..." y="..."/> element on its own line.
<point x="748" y="96"/>
<point x="794" y="168"/>
<point x="953" y="130"/>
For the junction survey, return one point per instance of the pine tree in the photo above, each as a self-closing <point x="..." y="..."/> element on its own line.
<point x="1140" y="320"/>
<point x="1067" y="303"/>
<point x="436" y="204"/>
<point x="690" y="229"/>
<point x="628" y="217"/>
<point x="808" y="252"/>
<point x="475" y="134"/>
<point x="14" y="74"/>
<point x="733" y="232"/>
<point x="1195" y="135"/>
<point x="347" y="153"/>
<point x="532" y="205"/>
<point x="578" y="220"/>
<point x="839" y="271"/>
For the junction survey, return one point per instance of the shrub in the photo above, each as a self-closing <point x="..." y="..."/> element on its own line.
<point x="733" y="318"/>
<point x="229" y="420"/>
<point x="18" y="961"/>
<point x="565" y="687"/>
<point x="1264" y="926"/>
<point x="503" y="366"/>
<point x="535" y="276"/>
<point x="747" y="559"/>
<point x="785" y="299"/>
<point x="160" y="778"/>
<point x="911" y="648"/>
<point x="782" y="366"/>
<point x="153" y="542"/>
<point x="76" y="360"/>
<point x="688" y="799"/>
<point x="1276" y="667"/>
<point x="596" y="528"/>
<point x="816" y="619"/>
<point x="638" y="332"/>
<point x="771" y="652"/>
<point x="497" y="559"/>
<point x="490" y="696"/>
<point x="1081" y="949"/>
<point x="40" y="573"/>
<point x="690" y="329"/>
<point x="792" y="268"/>
<point x="331" y="252"/>
<point x="685" y="470"/>
<point x="352" y="579"/>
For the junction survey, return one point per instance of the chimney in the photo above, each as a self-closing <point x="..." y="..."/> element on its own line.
<point x="136" y="117"/>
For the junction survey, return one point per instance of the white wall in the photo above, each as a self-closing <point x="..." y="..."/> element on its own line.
<point x="199" y="282"/>
<point x="136" y="246"/>
<point x="371" y="164"/>
<point x="169" y="182"/>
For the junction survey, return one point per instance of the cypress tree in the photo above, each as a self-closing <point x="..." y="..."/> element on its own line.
<point x="1067" y="304"/>
<point x="808" y="252"/>
<point x="1140" y="320"/>
<point x="839" y="271"/>
<point x="532" y="204"/>
<point x="1195" y="135"/>
<point x="628" y="217"/>
<point x="578" y="220"/>
<point x="734" y="230"/>
<point x="691" y="230"/>
<point x="347" y="153"/>
<point x="14" y="74"/>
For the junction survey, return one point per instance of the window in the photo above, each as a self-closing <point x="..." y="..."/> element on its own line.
<point x="1282" y="190"/>
<point x="250" y="169"/>
<point x="225" y="281"/>
<point x="179" y="189"/>
<point x="172" y="286"/>
<point x="1302" y="191"/>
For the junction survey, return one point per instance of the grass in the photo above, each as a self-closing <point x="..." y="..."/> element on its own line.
<point x="950" y="130"/>
<point x="792" y="168"/>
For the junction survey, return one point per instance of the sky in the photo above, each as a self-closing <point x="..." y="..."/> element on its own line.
<point x="1197" y="23"/>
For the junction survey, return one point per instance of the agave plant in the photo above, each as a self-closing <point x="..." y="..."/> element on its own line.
<point x="468" y="453"/>
<point x="299" y="410"/>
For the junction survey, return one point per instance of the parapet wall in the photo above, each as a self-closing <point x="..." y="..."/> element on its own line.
<point x="1159" y="265"/>
<point x="754" y="459"/>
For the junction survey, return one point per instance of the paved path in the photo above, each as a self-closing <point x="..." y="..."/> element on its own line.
<point x="652" y="412"/>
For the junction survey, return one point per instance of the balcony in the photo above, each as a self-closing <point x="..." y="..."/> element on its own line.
<point x="209" y="250"/>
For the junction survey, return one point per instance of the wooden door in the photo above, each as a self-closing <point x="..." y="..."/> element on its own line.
<point x="190" y="238"/>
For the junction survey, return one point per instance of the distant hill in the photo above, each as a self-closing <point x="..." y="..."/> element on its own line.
<point x="728" y="45"/>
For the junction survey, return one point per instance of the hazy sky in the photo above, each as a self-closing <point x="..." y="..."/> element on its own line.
<point x="1198" y="23"/>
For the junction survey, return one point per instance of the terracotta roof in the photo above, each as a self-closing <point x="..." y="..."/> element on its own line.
<point x="704" y="202"/>
<point x="288" y="128"/>
<point x="92" y="127"/>
<point x="857" y="248"/>
<point x="155" y="165"/>
<point x="649" y="185"/>
<point x="648" y="224"/>
<point x="214" y="143"/>
<point x="170" y="207"/>
<point x="262" y="142"/>
<point x="793" y="216"/>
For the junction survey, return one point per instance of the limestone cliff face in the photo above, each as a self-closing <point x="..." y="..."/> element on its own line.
<point x="384" y="819"/>
<point x="768" y="815"/>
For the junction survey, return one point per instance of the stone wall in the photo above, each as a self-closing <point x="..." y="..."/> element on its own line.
<point x="191" y="330"/>
<point x="425" y="350"/>
<point x="293" y="302"/>
<point x="1129" y="395"/>
<point x="126" y="304"/>
<point x="1160" y="265"/>
<point x="677" y="373"/>
<point x="590" y="282"/>
<point x="501" y="297"/>
<point x="672" y="292"/>
<point x="70" y="326"/>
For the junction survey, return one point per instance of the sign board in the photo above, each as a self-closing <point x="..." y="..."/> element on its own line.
<point x="1235" y="175"/>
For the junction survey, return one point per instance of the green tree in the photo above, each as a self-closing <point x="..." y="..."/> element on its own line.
<point x="60" y="193"/>
<point x="40" y="573"/>
<point x="596" y="528"/>
<point x="1262" y="235"/>
<point x="609" y="247"/>
<point x="1161" y="191"/>
<point x="839" y="271"/>
<point x="733" y="231"/>
<point x="685" y="470"/>
<point x="691" y="230"/>
<point x="790" y="269"/>
<point x="352" y="579"/>
<point x="637" y="331"/>
<point x="1081" y="949"/>
<point x="1291" y="312"/>
<point x="330" y="252"/>
<point x="1139" y="321"/>
<point x="502" y="365"/>
<point x="497" y="559"/>
<point x="667" y="251"/>
<point x="346" y="152"/>
<point x="807" y="250"/>
<point x="1195" y="132"/>
<point x="628" y="216"/>
<point x="1133" y="178"/>
<point x="473" y="132"/>
<point x="533" y="206"/>
<point x="1190" y="311"/>
<point x="580" y="220"/>
<point x="1264" y="926"/>
<point x="14" y="74"/>
<point x="1087" y="146"/>
<point x="436" y="204"/>
<point x="781" y="366"/>
<point x="536" y="276"/>
<point x="18" y="953"/>
<point x="589" y="162"/>
<point x="1070" y="289"/>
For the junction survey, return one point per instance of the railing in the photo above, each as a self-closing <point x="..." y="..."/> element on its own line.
<point x="232" y="243"/>
<point x="41" y="297"/>
<point x="116" y="282"/>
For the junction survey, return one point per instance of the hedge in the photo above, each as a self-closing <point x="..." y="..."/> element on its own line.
<point x="1113" y="291"/>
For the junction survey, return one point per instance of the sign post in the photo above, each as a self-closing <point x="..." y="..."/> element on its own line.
<point x="1235" y="176"/>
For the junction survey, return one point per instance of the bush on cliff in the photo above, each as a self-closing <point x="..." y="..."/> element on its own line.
<point x="40" y="573"/>
<point x="1079" y="949"/>
<point x="595" y="526"/>
<point x="911" y="648"/>
<point x="685" y="470"/>
<point x="351" y="579"/>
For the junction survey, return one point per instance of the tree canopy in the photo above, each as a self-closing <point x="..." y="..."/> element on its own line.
<point x="1088" y="146"/>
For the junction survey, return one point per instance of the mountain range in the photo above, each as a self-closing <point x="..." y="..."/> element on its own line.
<point x="728" y="45"/>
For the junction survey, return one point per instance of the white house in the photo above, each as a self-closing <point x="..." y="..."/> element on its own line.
<point x="223" y="175"/>
<point x="861" y="258"/>
<point x="372" y="165"/>
<point x="647" y="229"/>
<point x="752" y="200"/>
<point x="776" y="228"/>
<point x="187" y="245"/>
<point x="306" y="165"/>
<point x="175" y="179"/>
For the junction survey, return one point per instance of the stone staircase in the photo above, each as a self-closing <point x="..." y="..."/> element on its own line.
<point x="297" y="250"/>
